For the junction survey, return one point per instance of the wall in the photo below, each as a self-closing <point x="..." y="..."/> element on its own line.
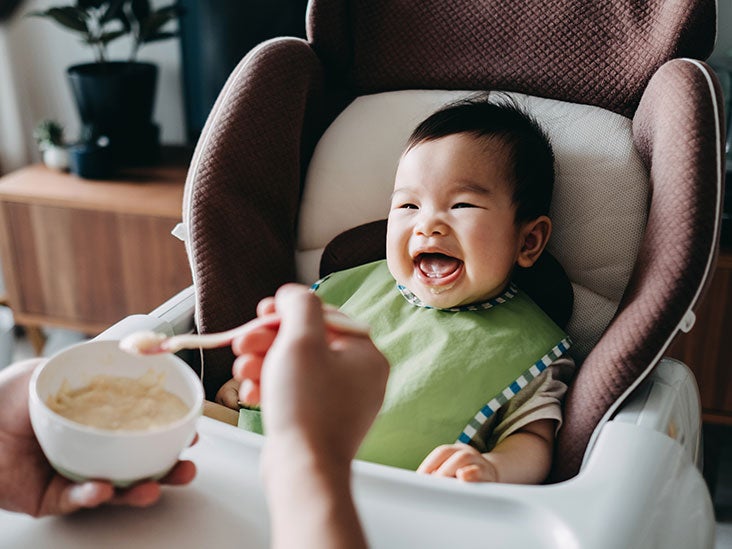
<point x="724" y="29"/>
<point x="34" y="54"/>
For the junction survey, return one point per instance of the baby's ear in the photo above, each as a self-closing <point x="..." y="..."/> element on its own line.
<point x="534" y="236"/>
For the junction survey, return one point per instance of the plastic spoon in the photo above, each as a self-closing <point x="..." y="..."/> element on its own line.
<point x="149" y="343"/>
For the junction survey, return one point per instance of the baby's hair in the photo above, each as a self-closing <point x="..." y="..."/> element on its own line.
<point x="530" y="154"/>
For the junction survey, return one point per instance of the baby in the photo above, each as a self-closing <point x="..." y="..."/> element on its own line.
<point x="478" y="371"/>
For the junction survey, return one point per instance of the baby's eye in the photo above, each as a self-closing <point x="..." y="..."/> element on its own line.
<point x="463" y="205"/>
<point x="408" y="206"/>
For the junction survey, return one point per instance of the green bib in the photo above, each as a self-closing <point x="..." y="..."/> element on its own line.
<point x="451" y="369"/>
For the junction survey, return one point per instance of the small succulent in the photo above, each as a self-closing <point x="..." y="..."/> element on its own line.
<point x="49" y="133"/>
<point x="100" y="22"/>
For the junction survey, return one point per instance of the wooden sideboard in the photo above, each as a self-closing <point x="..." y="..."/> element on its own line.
<point x="707" y="349"/>
<point x="83" y="254"/>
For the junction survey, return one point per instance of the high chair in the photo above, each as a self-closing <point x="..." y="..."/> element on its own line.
<point x="302" y="145"/>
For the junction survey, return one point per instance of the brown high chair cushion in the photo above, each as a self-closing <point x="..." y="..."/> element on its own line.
<point x="599" y="52"/>
<point x="546" y="282"/>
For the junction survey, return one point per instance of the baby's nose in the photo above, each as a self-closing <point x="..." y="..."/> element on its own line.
<point x="431" y="224"/>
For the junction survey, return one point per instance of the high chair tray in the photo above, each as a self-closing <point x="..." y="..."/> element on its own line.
<point x="624" y="497"/>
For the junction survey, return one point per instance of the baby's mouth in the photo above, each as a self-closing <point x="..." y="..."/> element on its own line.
<point x="437" y="268"/>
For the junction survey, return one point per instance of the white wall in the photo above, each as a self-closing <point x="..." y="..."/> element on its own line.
<point x="34" y="55"/>
<point x="724" y="29"/>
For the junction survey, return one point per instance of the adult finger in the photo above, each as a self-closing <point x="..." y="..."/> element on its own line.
<point x="63" y="497"/>
<point x="140" y="495"/>
<point x="183" y="473"/>
<point x="266" y="306"/>
<point x="247" y="367"/>
<point x="255" y="341"/>
<point x="301" y="312"/>
<point x="149" y="492"/>
<point x="250" y="393"/>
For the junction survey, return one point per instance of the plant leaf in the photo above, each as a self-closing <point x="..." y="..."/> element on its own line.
<point x="114" y="10"/>
<point x="68" y="17"/>
<point x="89" y="4"/>
<point x="161" y="36"/>
<point x="141" y="10"/>
<point x="107" y="37"/>
<point x="48" y="132"/>
<point x="90" y="40"/>
<point x="124" y="21"/>
<point x="173" y="9"/>
<point x="156" y="21"/>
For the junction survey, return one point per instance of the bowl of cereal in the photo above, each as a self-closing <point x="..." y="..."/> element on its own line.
<point x="102" y="413"/>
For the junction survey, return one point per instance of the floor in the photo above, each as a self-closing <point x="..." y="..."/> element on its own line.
<point x="58" y="339"/>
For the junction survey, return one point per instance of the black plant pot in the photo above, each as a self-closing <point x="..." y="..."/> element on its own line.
<point x="91" y="160"/>
<point x="116" y="100"/>
<point x="214" y="38"/>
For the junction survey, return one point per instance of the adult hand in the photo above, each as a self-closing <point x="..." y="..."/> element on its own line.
<point x="320" y="391"/>
<point x="28" y="483"/>
<point x="318" y="386"/>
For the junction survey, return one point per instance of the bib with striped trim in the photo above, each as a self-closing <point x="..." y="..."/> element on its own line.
<point x="451" y="369"/>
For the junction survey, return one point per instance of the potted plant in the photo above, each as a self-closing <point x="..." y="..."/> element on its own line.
<point x="49" y="136"/>
<point x="116" y="98"/>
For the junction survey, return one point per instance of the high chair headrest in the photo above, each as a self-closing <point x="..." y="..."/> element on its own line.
<point x="599" y="53"/>
<point x="546" y="282"/>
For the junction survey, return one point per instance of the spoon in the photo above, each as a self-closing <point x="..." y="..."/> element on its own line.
<point x="150" y="343"/>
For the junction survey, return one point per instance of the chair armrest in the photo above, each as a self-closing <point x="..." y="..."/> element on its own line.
<point x="637" y="489"/>
<point x="667" y="402"/>
<point x="174" y="316"/>
<point x="178" y="311"/>
<point x="647" y="454"/>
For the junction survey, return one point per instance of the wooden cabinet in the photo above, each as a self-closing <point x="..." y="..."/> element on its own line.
<point x="707" y="349"/>
<point x="83" y="254"/>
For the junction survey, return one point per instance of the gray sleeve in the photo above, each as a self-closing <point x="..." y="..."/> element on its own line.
<point x="540" y="399"/>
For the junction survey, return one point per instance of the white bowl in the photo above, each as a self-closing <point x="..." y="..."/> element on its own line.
<point x="81" y="452"/>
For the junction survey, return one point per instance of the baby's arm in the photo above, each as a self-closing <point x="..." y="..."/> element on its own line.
<point x="524" y="457"/>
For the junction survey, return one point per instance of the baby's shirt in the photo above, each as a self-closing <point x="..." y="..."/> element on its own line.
<point x="540" y="399"/>
<point x="451" y="370"/>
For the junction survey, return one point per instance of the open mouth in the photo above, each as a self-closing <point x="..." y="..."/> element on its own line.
<point x="437" y="268"/>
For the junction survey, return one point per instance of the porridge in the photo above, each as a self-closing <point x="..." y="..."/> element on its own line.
<point x="115" y="403"/>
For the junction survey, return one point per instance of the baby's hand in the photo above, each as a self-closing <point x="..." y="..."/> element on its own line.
<point x="460" y="461"/>
<point x="228" y="394"/>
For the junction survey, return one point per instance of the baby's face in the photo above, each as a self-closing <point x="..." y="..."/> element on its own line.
<point x="451" y="237"/>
